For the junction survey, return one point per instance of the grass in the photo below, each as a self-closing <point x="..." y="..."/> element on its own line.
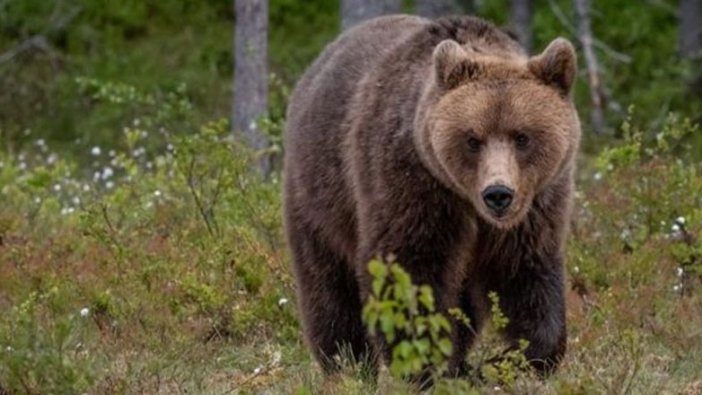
<point x="168" y="273"/>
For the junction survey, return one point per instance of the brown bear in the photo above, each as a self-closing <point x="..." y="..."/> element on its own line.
<point x="444" y="144"/>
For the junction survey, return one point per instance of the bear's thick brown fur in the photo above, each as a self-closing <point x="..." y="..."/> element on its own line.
<point x="443" y="144"/>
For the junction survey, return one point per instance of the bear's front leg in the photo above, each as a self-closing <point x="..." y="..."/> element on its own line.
<point x="532" y="298"/>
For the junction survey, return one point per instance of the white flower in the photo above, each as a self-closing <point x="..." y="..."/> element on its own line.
<point x="276" y="358"/>
<point x="680" y="220"/>
<point x="107" y="172"/>
<point x="95" y="151"/>
<point x="625" y="234"/>
<point x="51" y="159"/>
<point x="84" y="312"/>
<point x="138" y="152"/>
<point x="282" y="301"/>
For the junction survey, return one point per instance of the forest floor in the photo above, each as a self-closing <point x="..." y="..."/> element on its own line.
<point x="170" y="275"/>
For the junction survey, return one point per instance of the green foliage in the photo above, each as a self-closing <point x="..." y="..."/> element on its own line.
<point x="45" y="354"/>
<point x="655" y="183"/>
<point x="168" y="240"/>
<point x="405" y="315"/>
<point x="166" y="46"/>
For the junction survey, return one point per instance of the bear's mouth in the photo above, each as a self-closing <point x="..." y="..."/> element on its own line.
<point x="505" y="219"/>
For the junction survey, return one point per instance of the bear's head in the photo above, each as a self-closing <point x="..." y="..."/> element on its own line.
<point x="500" y="128"/>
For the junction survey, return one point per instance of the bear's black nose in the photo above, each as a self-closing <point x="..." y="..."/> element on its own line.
<point x="498" y="198"/>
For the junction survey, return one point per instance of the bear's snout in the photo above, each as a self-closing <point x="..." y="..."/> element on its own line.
<point x="498" y="198"/>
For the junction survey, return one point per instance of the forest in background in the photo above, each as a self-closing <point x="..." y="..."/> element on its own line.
<point x="158" y="46"/>
<point x="140" y="254"/>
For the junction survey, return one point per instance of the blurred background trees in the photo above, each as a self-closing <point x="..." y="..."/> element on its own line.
<point x="645" y="54"/>
<point x="355" y="11"/>
<point x="250" y="101"/>
<point x="520" y="16"/>
<point x="690" y="15"/>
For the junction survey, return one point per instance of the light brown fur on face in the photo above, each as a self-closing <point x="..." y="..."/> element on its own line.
<point x="494" y="100"/>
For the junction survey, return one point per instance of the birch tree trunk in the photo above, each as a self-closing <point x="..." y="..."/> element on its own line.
<point x="437" y="8"/>
<point x="251" y="75"/>
<point x="690" y="15"/>
<point x="355" y="11"/>
<point x="521" y="21"/>
<point x="582" y="11"/>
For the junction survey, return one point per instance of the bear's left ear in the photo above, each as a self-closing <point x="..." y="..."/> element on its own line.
<point x="453" y="64"/>
<point x="557" y="65"/>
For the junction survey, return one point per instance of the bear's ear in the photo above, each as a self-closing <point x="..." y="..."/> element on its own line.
<point x="453" y="64"/>
<point x="557" y="65"/>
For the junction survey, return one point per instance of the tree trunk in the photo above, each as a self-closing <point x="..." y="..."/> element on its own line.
<point x="521" y="21"/>
<point x="251" y="75"/>
<point x="355" y="11"/>
<point x="582" y="11"/>
<point x="437" y="8"/>
<point x="690" y="14"/>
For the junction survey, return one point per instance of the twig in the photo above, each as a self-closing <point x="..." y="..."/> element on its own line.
<point x="563" y="19"/>
<point x="582" y="9"/>
<point x="196" y="197"/>
<point x="39" y="41"/>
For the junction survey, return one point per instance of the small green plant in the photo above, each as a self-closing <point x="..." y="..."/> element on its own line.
<point x="405" y="315"/>
<point x="497" y="367"/>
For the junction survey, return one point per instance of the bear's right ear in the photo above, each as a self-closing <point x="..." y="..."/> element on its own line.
<point x="453" y="64"/>
<point x="557" y="65"/>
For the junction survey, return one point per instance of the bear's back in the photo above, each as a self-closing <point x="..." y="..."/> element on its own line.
<point x="316" y="191"/>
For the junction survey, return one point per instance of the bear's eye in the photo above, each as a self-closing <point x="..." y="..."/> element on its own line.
<point x="474" y="144"/>
<point x="522" y="140"/>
